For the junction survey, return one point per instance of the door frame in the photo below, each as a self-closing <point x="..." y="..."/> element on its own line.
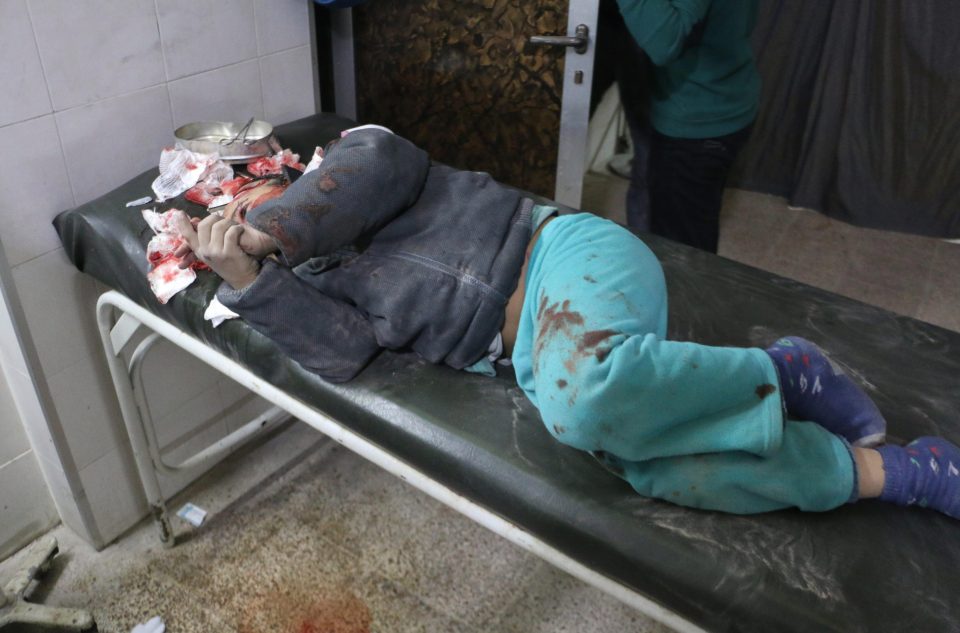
<point x="340" y="69"/>
<point x="575" y="106"/>
<point x="336" y="68"/>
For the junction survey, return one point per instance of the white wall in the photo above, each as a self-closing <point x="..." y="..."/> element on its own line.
<point x="89" y="93"/>
<point x="26" y="509"/>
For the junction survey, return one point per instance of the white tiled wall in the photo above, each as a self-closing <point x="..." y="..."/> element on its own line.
<point x="89" y="93"/>
<point x="230" y="92"/>
<point x="27" y="500"/>
<point x="25" y="505"/>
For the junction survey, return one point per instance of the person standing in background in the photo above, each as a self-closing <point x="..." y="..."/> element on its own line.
<point x="619" y="59"/>
<point x="704" y="97"/>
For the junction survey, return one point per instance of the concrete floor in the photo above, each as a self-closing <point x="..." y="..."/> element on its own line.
<point x="304" y="537"/>
<point x="907" y="274"/>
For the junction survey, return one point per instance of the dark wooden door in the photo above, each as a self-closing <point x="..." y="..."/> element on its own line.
<point x="459" y="78"/>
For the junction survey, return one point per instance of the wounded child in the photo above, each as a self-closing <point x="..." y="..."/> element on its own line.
<point x="206" y="180"/>
<point x="380" y="249"/>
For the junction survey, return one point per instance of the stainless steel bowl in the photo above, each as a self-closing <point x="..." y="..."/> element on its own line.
<point x="235" y="142"/>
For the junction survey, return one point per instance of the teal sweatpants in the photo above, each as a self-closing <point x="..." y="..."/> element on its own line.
<point x="696" y="425"/>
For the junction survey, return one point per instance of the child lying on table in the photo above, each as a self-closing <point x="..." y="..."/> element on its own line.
<point x="380" y="249"/>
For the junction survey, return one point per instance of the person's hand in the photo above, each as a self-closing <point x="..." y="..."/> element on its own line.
<point x="183" y="252"/>
<point x="216" y="242"/>
<point x="256" y="243"/>
<point x="252" y="242"/>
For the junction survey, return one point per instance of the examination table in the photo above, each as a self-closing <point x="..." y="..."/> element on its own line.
<point x="477" y="444"/>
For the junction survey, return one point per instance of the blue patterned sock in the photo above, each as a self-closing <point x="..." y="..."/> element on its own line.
<point x="924" y="473"/>
<point x="816" y="390"/>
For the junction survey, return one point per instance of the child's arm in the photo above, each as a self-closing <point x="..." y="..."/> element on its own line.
<point x="252" y="242"/>
<point x="366" y="180"/>
<point x="327" y="336"/>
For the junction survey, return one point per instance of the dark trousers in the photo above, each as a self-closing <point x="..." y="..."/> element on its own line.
<point x="686" y="178"/>
<point x="618" y="58"/>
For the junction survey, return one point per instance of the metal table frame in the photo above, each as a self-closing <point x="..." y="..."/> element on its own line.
<point x="120" y="319"/>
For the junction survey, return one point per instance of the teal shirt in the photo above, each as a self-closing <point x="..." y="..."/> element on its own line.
<point x="705" y="80"/>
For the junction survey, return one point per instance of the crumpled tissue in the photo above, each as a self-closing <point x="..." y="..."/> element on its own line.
<point x="315" y="160"/>
<point x="166" y="277"/>
<point x="181" y="169"/>
<point x="153" y="625"/>
<point x="217" y="313"/>
<point x="273" y="165"/>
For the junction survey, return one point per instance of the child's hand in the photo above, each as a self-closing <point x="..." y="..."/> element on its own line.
<point x="216" y="242"/>
<point x="253" y="242"/>
<point x="256" y="243"/>
<point x="183" y="252"/>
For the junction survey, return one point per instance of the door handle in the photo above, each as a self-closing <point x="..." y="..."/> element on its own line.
<point x="578" y="41"/>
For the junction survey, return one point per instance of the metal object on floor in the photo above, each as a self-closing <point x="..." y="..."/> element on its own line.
<point x="14" y="608"/>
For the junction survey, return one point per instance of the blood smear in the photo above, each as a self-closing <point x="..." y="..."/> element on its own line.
<point x="166" y="278"/>
<point x="231" y="187"/>
<point x="273" y="165"/>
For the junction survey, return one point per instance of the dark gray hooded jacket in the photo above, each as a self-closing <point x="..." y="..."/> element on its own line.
<point x="381" y="249"/>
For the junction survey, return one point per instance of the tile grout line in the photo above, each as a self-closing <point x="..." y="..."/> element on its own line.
<point x="259" y="58"/>
<point x="163" y="60"/>
<point x="53" y="106"/>
<point x="17" y="458"/>
<point x="43" y="67"/>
